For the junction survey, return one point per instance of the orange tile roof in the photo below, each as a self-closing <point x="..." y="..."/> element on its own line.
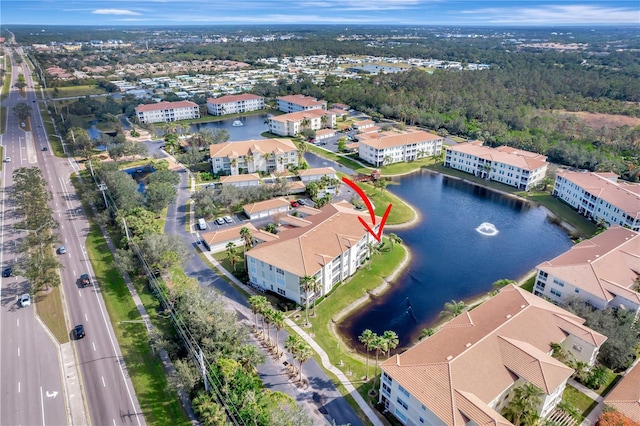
<point x="625" y="196"/>
<point x="506" y="155"/>
<point x="165" y="105"/>
<point x="625" y="397"/>
<point x="299" y="115"/>
<point x="265" y="205"/>
<point x="383" y="140"/>
<point x="237" y="149"/>
<point x="224" y="235"/>
<point x="304" y="251"/>
<point x="317" y="171"/>
<point x="481" y="351"/>
<point x="605" y="265"/>
<point x="250" y="177"/>
<point x="233" y="98"/>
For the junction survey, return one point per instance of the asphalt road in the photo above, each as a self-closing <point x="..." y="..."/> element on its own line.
<point x="32" y="388"/>
<point x="321" y="394"/>
<point x="109" y="394"/>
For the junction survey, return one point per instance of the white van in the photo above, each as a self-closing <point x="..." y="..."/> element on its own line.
<point x="202" y="224"/>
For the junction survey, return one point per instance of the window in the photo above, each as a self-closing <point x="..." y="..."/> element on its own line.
<point x="386" y="389"/>
<point x="401" y="416"/>
<point x="556" y="293"/>
<point x="402" y="403"/>
<point x="387" y="378"/>
<point x="404" y="391"/>
<point x="421" y="420"/>
<point x="282" y="292"/>
<point x="577" y="290"/>
<point x="279" y="271"/>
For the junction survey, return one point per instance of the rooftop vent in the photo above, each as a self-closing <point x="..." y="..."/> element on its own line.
<point x="523" y="306"/>
<point x="450" y="357"/>
<point x="467" y="345"/>
<point x="508" y="315"/>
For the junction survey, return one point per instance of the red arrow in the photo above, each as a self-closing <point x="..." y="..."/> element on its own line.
<point x="367" y="202"/>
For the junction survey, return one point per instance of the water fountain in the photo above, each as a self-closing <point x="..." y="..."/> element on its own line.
<point x="487" y="229"/>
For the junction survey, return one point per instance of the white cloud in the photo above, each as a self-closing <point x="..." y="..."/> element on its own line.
<point x="557" y="14"/>
<point x="114" y="12"/>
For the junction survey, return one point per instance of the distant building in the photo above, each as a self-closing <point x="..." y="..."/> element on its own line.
<point x="295" y="103"/>
<point x="513" y="167"/>
<point x="392" y="147"/>
<point x="264" y="155"/>
<point x="363" y="124"/>
<point x="251" y="179"/>
<point x="602" y="271"/>
<point x="293" y="123"/>
<point x="167" y="111"/>
<point x="268" y="208"/>
<point x="466" y="373"/>
<point x="600" y="197"/>
<point x="233" y="104"/>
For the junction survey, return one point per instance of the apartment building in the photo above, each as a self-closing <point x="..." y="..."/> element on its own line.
<point x="504" y="164"/>
<point x="600" y="197"/>
<point x="603" y="271"/>
<point x="233" y="104"/>
<point x="295" y="103"/>
<point x="625" y="396"/>
<point x="294" y="123"/>
<point x="252" y="156"/>
<point x="383" y="148"/>
<point x="465" y="373"/>
<point x="167" y="111"/>
<point x="328" y="244"/>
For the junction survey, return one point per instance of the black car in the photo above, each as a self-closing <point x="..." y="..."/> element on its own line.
<point x="7" y="272"/>
<point x="44" y="148"/>
<point x="85" y="281"/>
<point x="78" y="331"/>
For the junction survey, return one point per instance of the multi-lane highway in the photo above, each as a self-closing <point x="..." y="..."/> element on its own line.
<point x="33" y="366"/>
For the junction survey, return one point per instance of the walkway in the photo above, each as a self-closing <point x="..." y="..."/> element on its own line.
<point x="592" y="417"/>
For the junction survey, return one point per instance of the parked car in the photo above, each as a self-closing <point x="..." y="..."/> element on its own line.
<point x="85" y="281"/>
<point x="220" y="221"/>
<point x="7" y="271"/>
<point x="7" y="159"/>
<point x="301" y="202"/>
<point x="44" y="148"/>
<point x="78" y="332"/>
<point x="62" y="250"/>
<point x="295" y="204"/>
<point x="25" y="300"/>
<point x="228" y="219"/>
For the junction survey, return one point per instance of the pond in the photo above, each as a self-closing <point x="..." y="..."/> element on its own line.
<point x="468" y="238"/>
<point x="252" y="127"/>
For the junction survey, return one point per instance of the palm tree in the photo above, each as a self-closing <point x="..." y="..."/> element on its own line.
<point x="305" y="123"/>
<point x="277" y="319"/>
<point x="453" y="309"/>
<point x="303" y="354"/>
<point x="393" y="239"/>
<point x="392" y="340"/>
<point x="426" y="332"/>
<point x="307" y="283"/>
<point x="367" y="338"/>
<point x="324" y="120"/>
<point x="374" y="249"/>
<point x="245" y="234"/>
<point x="267" y="315"/>
<point x="232" y="255"/>
<point x="291" y="344"/>
<point x="303" y="148"/>
<point x="316" y="290"/>
<point x="387" y="160"/>
<point x="380" y="345"/>
<point x="523" y="407"/>
<point x="257" y="303"/>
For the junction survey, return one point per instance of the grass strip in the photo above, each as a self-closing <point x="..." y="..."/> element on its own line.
<point x="580" y="401"/>
<point x="49" y="307"/>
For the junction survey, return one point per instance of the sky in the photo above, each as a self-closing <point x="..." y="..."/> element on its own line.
<point x="341" y="12"/>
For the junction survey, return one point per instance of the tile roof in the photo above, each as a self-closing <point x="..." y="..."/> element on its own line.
<point x="302" y="100"/>
<point x="381" y="140"/>
<point x="361" y="123"/>
<point x="305" y="250"/>
<point x="625" y="397"/>
<point x="317" y="171"/>
<point x="233" y="98"/>
<point x="261" y="206"/>
<point x="481" y="353"/>
<point x="299" y="115"/>
<point x="624" y="195"/>
<point x="165" y="105"/>
<point x="250" y="177"/>
<point x="262" y="146"/>
<point x="506" y="155"/>
<point x="605" y="265"/>
<point x="223" y="235"/>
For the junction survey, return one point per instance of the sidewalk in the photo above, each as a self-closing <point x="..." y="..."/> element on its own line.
<point x="592" y="418"/>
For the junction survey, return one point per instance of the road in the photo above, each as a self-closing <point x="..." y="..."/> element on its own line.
<point x="107" y="388"/>
<point x="321" y="393"/>
<point x="32" y="387"/>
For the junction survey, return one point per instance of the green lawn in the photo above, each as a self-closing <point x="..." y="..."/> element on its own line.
<point x="528" y="285"/>
<point x="69" y="91"/>
<point x="400" y="212"/>
<point x="159" y="402"/>
<point x="405" y="167"/>
<point x="49" y="306"/>
<point x="3" y="118"/>
<point x="580" y="401"/>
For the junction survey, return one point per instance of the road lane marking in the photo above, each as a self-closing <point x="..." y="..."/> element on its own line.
<point x="17" y="322"/>
<point x="103" y="383"/>
<point x="42" y="405"/>
<point x="18" y="351"/>
<point x="86" y="318"/>
<point x="18" y="387"/>
<point x="94" y="349"/>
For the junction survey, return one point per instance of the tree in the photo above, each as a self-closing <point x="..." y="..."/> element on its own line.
<point x="303" y="353"/>
<point x="164" y="251"/>
<point x="307" y="284"/>
<point x="381" y="184"/>
<point x="394" y="239"/>
<point x="209" y="412"/>
<point x="257" y="304"/>
<point x="22" y="111"/>
<point x="426" y="332"/>
<point x="373" y="249"/>
<point x="453" y="309"/>
<point x="277" y="319"/>
<point x="232" y="255"/>
<point x="159" y="195"/>
<point x="522" y="409"/>
<point x="367" y="338"/>
<point x="611" y="417"/>
<point x="171" y="143"/>
<point x="292" y="344"/>
<point x="380" y="345"/>
<point x="392" y="340"/>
